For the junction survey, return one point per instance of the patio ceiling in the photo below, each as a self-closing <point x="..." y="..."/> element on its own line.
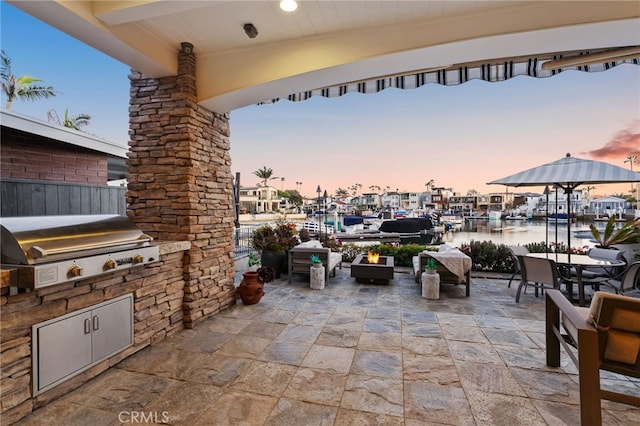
<point x="329" y="43"/>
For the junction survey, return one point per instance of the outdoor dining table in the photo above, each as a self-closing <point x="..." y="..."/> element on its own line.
<point x="579" y="262"/>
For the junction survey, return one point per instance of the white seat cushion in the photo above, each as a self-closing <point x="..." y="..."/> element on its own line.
<point x="310" y="244"/>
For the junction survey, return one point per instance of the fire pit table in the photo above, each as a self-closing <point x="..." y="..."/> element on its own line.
<point x="365" y="270"/>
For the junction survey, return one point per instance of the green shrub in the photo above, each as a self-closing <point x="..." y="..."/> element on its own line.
<point x="485" y="255"/>
<point x="350" y="251"/>
<point x="401" y="254"/>
<point x="488" y="256"/>
<point x="537" y="247"/>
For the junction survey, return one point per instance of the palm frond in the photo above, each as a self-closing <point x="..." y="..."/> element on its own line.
<point x="32" y="93"/>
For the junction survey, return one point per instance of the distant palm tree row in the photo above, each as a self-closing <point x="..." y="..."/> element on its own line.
<point x="266" y="174"/>
<point x="27" y="88"/>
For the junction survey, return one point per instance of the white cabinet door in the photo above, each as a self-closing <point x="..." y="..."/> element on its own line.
<point x="112" y="328"/>
<point x="64" y="347"/>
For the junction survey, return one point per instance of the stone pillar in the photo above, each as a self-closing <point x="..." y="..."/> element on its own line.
<point x="180" y="182"/>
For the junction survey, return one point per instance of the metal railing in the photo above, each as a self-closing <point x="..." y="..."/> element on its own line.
<point x="242" y="240"/>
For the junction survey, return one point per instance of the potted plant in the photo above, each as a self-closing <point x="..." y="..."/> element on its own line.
<point x="251" y="288"/>
<point x="430" y="267"/>
<point x="254" y="262"/>
<point x="265" y="240"/>
<point x="629" y="233"/>
<point x="317" y="278"/>
<point x="430" y="280"/>
<point x="626" y="238"/>
<point x="287" y="237"/>
<point x="316" y="261"/>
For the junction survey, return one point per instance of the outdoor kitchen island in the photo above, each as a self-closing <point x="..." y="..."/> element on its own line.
<point x="153" y="293"/>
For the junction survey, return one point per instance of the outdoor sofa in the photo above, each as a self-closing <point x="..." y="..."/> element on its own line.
<point x="452" y="265"/>
<point x="300" y="258"/>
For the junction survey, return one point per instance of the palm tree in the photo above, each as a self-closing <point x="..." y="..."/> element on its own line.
<point x="22" y="87"/>
<point x="265" y="174"/>
<point x="71" y="122"/>
<point x="341" y="192"/>
<point x="354" y="188"/>
<point x="429" y="184"/>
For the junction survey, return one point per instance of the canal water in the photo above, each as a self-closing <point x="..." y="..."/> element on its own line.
<point x="519" y="233"/>
<point x="508" y="232"/>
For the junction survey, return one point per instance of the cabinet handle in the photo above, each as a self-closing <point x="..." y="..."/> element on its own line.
<point x="87" y="326"/>
<point x="96" y="323"/>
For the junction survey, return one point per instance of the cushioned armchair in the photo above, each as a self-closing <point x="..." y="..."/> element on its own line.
<point x="300" y="258"/>
<point x="452" y="265"/>
<point x="607" y="337"/>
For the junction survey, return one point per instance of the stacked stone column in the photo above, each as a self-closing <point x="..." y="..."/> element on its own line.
<point x="180" y="182"/>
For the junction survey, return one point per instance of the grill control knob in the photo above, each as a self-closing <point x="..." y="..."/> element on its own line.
<point x="74" y="271"/>
<point x="138" y="259"/>
<point x="110" y="264"/>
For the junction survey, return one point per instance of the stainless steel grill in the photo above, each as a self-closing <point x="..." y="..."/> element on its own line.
<point x="48" y="250"/>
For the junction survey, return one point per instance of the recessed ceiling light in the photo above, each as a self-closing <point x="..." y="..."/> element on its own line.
<point x="288" y="5"/>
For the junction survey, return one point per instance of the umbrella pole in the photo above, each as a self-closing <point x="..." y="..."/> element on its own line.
<point x="546" y="228"/>
<point x="546" y="222"/>
<point x="568" y="192"/>
<point x="555" y="212"/>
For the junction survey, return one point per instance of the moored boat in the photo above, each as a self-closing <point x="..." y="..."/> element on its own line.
<point x="560" y="218"/>
<point x="495" y="215"/>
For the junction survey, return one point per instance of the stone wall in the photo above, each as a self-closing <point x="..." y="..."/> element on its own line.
<point x="180" y="182"/>
<point x="158" y="294"/>
<point x="26" y="157"/>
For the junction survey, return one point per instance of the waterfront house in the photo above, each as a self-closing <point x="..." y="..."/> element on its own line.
<point x="463" y="203"/>
<point x="260" y="199"/>
<point x="608" y="206"/>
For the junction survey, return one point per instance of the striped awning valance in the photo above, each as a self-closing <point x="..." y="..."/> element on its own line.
<point x="541" y="65"/>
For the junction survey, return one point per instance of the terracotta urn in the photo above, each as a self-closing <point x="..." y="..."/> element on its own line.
<point x="251" y="289"/>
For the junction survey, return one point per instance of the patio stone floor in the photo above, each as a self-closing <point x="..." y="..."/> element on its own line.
<point x="350" y="354"/>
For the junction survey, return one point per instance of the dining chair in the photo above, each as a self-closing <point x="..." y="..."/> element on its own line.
<point x="606" y="336"/>
<point x="595" y="272"/>
<point x="627" y="282"/>
<point x="539" y="273"/>
<point x="515" y="252"/>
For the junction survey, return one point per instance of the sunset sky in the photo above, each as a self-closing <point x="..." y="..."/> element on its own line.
<point x="459" y="137"/>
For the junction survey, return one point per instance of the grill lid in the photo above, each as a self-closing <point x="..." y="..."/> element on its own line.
<point x="39" y="239"/>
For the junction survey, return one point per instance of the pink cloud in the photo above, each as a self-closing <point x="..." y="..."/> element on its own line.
<point x="624" y="143"/>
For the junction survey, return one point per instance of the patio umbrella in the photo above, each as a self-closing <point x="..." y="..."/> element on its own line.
<point x="568" y="173"/>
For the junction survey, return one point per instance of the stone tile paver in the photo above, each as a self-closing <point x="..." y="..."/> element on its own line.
<point x="350" y="354"/>
<point x="316" y="385"/>
<point x="374" y="395"/>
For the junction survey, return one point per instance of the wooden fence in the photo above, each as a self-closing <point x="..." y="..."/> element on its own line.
<point x="37" y="198"/>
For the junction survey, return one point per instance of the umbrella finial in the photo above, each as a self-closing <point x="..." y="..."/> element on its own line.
<point x="568" y="154"/>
